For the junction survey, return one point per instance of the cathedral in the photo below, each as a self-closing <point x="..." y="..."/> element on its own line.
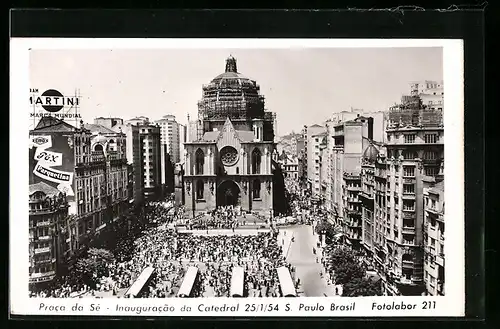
<point x="229" y="153"/>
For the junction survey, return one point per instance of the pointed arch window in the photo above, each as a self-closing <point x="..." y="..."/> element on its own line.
<point x="199" y="162"/>
<point x="256" y="189"/>
<point x="256" y="161"/>
<point x="199" y="189"/>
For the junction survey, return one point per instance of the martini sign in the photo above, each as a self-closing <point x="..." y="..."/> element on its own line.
<point x="53" y="103"/>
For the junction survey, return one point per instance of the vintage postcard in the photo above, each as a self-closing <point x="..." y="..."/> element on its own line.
<point x="237" y="177"/>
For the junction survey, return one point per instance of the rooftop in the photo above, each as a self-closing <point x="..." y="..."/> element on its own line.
<point x="44" y="188"/>
<point x="51" y="124"/>
<point x="95" y="128"/>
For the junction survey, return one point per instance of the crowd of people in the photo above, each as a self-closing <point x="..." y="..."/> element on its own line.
<point x="152" y="244"/>
<point x="129" y="243"/>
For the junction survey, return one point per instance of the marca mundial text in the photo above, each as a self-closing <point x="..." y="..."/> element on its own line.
<point x="56" y="115"/>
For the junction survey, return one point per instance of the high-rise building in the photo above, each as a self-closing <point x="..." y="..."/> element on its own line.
<point x="434" y="237"/>
<point x="48" y="215"/>
<point x="228" y="156"/>
<point x="151" y="163"/>
<point x="314" y="135"/>
<point x="134" y="160"/>
<point x="394" y="231"/>
<point x="169" y="135"/>
<point x="346" y="141"/>
<point x="90" y="169"/>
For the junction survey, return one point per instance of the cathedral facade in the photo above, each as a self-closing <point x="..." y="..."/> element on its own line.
<point x="229" y="156"/>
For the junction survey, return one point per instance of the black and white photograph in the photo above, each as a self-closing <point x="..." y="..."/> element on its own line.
<point x="240" y="172"/>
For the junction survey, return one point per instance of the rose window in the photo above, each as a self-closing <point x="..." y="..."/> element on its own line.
<point x="228" y="155"/>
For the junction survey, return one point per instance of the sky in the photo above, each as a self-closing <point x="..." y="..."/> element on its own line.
<point x="303" y="85"/>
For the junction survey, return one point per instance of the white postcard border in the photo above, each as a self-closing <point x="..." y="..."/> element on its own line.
<point x="452" y="304"/>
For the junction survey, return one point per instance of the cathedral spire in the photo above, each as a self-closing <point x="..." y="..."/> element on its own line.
<point x="231" y="64"/>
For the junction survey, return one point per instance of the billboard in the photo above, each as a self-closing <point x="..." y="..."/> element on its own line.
<point x="54" y="103"/>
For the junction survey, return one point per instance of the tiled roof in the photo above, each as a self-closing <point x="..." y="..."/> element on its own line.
<point x="43" y="187"/>
<point x="245" y="135"/>
<point x="211" y="136"/>
<point x="51" y="124"/>
<point x="95" y="128"/>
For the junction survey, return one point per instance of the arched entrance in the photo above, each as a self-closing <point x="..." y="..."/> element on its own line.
<point x="228" y="194"/>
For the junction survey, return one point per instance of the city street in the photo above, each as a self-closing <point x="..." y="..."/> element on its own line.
<point x="300" y="255"/>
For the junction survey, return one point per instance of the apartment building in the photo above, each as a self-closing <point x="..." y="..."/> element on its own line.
<point x="151" y="161"/>
<point x="90" y="169"/>
<point x="48" y="212"/>
<point x="170" y="136"/>
<point x="434" y="237"/>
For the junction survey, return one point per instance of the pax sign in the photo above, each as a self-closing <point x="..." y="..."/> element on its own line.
<point x="47" y="158"/>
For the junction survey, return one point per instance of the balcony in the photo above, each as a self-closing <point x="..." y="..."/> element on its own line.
<point x="408" y="214"/>
<point x="431" y="161"/>
<point x="408" y="230"/>
<point x="410" y="282"/>
<point x="407" y="264"/>
<point x="353" y="212"/>
<point x="46" y="261"/>
<point x="365" y="195"/>
<point x="42" y="250"/>
<point x="44" y="238"/>
<point x="353" y="188"/>
<point x="353" y="200"/>
<point x="408" y="196"/>
<point x="44" y="223"/>
<point x="408" y="242"/>
<point x="408" y="180"/>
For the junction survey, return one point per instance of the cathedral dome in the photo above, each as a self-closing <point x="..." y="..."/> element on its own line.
<point x="231" y="82"/>
<point x="370" y="154"/>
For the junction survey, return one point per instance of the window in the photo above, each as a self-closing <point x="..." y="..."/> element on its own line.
<point x="430" y="138"/>
<point x="199" y="162"/>
<point x="408" y="205"/>
<point x="256" y="189"/>
<point x="409" y="188"/>
<point x="409" y="155"/>
<point x="430" y="155"/>
<point x="431" y="171"/>
<point x="256" y="160"/>
<point x="409" y="171"/>
<point x="410" y="138"/>
<point x="199" y="190"/>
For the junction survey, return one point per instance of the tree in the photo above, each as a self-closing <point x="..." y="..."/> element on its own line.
<point x="344" y="264"/>
<point x="348" y="272"/>
<point x="94" y="266"/>
<point x="329" y="229"/>
<point x="362" y="287"/>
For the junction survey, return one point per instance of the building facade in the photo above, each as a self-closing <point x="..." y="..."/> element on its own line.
<point x="229" y="161"/>
<point x="134" y="160"/>
<point x="415" y="148"/>
<point x="352" y="213"/>
<point x="48" y="215"/>
<point x="151" y="163"/>
<point x="169" y="136"/>
<point x="434" y="238"/>
<point x="398" y="201"/>
<point x="345" y="143"/>
<point x="92" y="172"/>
